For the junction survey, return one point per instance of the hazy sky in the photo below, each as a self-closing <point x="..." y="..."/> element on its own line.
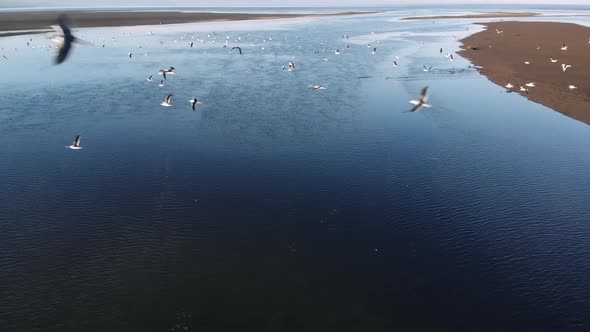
<point x="270" y="3"/>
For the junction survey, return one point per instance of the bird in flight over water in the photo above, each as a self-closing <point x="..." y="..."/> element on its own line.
<point x="76" y="144"/>
<point x="421" y="102"/>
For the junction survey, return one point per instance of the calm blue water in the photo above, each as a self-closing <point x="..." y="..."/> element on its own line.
<point x="273" y="208"/>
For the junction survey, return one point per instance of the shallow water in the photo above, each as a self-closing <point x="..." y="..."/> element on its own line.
<point x="274" y="208"/>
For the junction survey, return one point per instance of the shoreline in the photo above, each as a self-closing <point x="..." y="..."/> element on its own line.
<point x="501" y="58"/>
<point x="22" y="23"/>
<point x="472" y="16"/>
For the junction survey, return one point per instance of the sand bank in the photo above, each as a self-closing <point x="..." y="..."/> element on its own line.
<point x="10" y="23"/>
<point x="502" y="57"/>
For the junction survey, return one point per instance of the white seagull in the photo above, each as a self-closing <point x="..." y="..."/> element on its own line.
<point x="161" y="83"/>
<point x="564" y="47"/>
<point x="509" y="86"/>
<point x="149" y="78"/>
<point x="564" y="67"/>
<point x="499" y="31"/>
<point x="421" y="102"/>
<point x="553" y="60"/>
<point x="317" y="87"/>
<point x="76" y="144"/>
<point x="523" y="89"/>
<point x="530" y="84"/>
<point x="167" y="102"/>
<point x="426" y="69"/>
<point x="291" y="66"/>
<point x="572" y="87"/>
<point x="395" y="64"/>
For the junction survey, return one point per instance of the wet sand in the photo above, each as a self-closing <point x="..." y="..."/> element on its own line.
<point x="11" y="22"/>
<point x="482" y="15"/>
<point x="502" y="58"/>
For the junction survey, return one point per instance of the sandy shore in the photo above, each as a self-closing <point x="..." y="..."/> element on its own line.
<point x="10" y="22"/>
<point x="503" y="56"/>
<point x="482" y="15"/>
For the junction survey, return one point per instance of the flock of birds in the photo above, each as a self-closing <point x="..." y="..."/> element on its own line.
<point x="65" y="39"/>
<point x="509" y="86"/>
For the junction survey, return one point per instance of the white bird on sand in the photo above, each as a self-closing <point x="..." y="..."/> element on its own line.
<point x="564" y="67"/>
<point x="421" y="102"/>
<point x="553" y="60"/>
<point x="317" y="87"/>
<point x="426" y="69"/>
<point x="509" y="86"/>
<point x="564" y="47"/>
<point x="523" y="89"/>
<point x="76" y="144"/>
<point x="530" y="84"/>
<point x="572" y="87"/>
<point x="167" y="102"/>
<point x="527" y="62"/>
<point x="499" y="31"/>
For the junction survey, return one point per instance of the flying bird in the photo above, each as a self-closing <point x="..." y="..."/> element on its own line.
<point x="523" y="89"/>
<point x="64" y="39"/>
<point x="76" y="144"/>
<point x="194" y="102"/>
<point x="291" y="66"/>
<point x="149" y="78"/>
<point x="161" y="83"/>
<point x="564" y="67"/>
<point x="572" y="87"/>
<point x="421" y="102"/>
<point x="553" y="60"/>
<point x="531" y="84"/>
<point x="167" y="102"/>
<point x="499" y="31"/>
<point x="426" y="69"/>
<point x="236" y="48"/>
<point x="395" y="64"/>
<point x="564" y="47"/>
<point x="317" y="87"/>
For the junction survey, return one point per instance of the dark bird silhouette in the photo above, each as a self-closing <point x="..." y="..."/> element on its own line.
<point x="66" y="39"/>
<point x="236" y="47"/>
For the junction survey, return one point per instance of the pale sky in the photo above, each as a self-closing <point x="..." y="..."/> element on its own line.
<point x="266" y="3"/>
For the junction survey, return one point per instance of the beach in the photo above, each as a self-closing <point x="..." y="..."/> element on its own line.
<point x="502" y="58"/>
<point x="481" y="15"/>
<point x="11" y="23"/>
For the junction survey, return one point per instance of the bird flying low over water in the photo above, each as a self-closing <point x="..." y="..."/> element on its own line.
<point x="161" y="83"/>
<point x="194" y="102"/>
<point x="64" y="38"/>
<point x="76" y="144"/>
<point x="236" y="48"/>
<point x="291" y="66"/>
<point x="426" y="69"/>
<point x="395" y="64"/>
<point x="149" y="78"/>
<point x="167" y="102"/>
<point x="421" y="102"/>
<point x="317" y="87"/>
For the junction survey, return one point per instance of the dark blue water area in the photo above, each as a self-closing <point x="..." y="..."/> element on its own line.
<point x="275" y="208"/>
